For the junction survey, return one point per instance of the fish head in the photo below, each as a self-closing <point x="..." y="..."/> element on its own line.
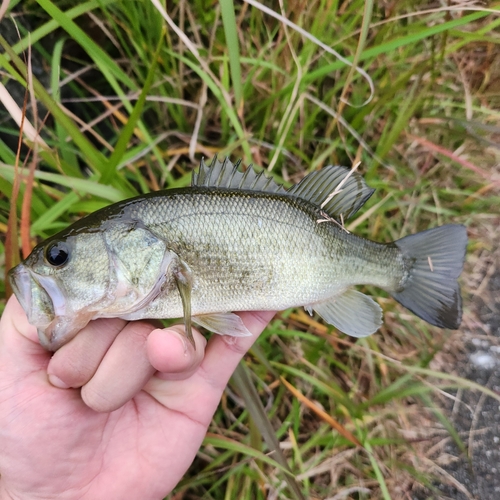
<point x="62" y="284"/>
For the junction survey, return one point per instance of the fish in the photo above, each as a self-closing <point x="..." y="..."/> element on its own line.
<point x="237" y="241"/>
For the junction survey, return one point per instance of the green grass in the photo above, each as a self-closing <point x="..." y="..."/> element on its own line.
<point x="128" y="103"/>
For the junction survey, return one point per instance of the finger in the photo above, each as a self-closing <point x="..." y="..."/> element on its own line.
<point x="123" y="371"/>
<point x="198" y="396"/>
<point x="75" y="363"/>
<point x="126" y="366"/>
<point x="223" y="354"/>
<point x="172" y="355"/>
<point x="20" y="349"/>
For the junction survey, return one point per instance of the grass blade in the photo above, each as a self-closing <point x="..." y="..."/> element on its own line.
<point x="257" y="411"/>
<point x="321" y="413"/>
<point x="128" y="130"/>
<point x="82" y="185"/>
<point x="233" y="48"/>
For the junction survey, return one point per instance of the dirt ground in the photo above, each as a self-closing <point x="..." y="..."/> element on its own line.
<point x="474" y="415"/>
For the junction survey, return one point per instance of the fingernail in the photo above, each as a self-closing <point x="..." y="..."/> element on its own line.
<point x="183" y="339"/>
<point x="57" y="382"/>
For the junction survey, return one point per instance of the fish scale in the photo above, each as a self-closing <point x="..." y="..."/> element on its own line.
<point x="283" y="244"/>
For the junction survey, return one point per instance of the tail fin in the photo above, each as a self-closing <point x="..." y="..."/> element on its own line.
<point x="434" y="261"/>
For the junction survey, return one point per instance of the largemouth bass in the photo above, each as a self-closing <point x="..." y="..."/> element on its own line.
<point x="236" y="241"/>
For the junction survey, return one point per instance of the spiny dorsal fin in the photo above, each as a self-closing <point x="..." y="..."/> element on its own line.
<point x="317" y="187"/>
<point x="226" y="175"/>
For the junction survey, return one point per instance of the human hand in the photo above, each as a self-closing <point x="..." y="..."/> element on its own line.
<point x="135" y="411"/>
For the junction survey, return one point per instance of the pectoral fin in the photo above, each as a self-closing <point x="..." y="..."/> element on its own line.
<point x="184" y="281"/>
<point x="223" y="324"/>
<point x="352" y="313"/>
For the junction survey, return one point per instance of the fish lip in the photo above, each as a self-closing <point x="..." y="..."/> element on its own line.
<point x="56" y="325"/>
<point x="20" y="281"/>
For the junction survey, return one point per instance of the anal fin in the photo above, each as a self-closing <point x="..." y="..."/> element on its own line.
<point x="352" y="312"/>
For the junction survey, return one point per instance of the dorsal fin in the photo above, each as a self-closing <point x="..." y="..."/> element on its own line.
<point x="318" y="186"/>
<point x="226" y="175"/>
<point x="338" y="191"/>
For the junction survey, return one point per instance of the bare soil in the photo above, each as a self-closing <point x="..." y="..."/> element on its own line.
<point x="476" y="475"/>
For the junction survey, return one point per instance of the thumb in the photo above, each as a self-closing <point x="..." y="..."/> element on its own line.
<point x="172" y="355"/>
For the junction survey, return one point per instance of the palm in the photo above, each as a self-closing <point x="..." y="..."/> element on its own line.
<point x="52" y="442"/>
<point x="131" y="447"/>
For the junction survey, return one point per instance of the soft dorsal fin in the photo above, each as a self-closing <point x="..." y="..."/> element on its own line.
<point x="319" y="185"/>
<point x="226" y="175"/>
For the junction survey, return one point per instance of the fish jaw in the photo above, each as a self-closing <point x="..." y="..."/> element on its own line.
<point x="34" y="299"/>
<point x="62" y="329"/>
<point x="45" y="307"/>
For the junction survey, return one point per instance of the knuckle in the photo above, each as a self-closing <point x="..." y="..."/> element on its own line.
<point x="71" y="370"/>
<point x="262" y="318"/>
<point x="96" y="400"/>
<point x="138" y="332"/>
<point x="235" y="345"/>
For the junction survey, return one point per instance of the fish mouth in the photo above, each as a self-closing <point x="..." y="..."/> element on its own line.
<point x="37" y="303"/>
<point x="46" y="307"/>
<point x="34" y="299"/>
<point x="20" y="282"/>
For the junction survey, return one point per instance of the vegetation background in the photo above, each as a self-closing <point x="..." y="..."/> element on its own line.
<point x="118" y="98"/>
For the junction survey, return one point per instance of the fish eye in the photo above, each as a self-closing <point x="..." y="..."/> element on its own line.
<point x="57" y="254"/>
